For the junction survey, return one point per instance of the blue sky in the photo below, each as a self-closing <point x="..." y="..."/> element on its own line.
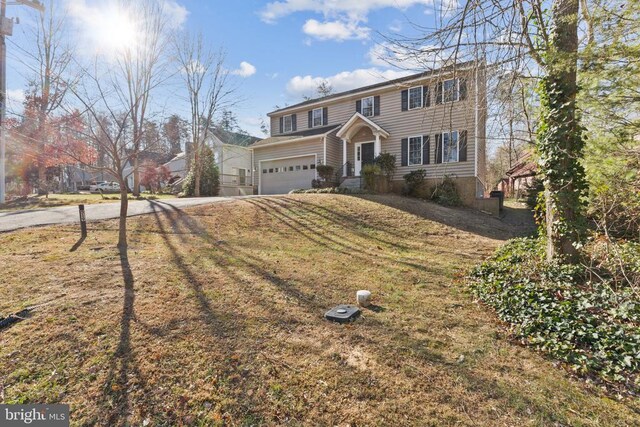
<point x="278" y="50"/>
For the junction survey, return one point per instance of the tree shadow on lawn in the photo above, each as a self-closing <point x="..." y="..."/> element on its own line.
<point x="412" y="349"/>
<point x="115" y="404"/>
<point x="316" y="232"/>
<point x="462" y="218"/>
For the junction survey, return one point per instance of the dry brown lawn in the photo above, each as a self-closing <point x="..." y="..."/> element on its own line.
<point x="214" y="316"/>
<point x="56" y="200"/>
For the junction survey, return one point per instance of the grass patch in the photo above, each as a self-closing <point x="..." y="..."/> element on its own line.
<point x="214" y="316"/>
<point x="55" y="200"/>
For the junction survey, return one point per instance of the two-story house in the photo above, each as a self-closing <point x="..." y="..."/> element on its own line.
<point x="433" y="120"/>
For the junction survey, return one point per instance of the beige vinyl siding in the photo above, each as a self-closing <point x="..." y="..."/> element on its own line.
<point x="334" y="151"/>
<point x="278" y="151"/>
<point x="453" y="116"/>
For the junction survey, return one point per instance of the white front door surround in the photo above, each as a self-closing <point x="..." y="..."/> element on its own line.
<point x="349" y="130"/>
<point x="357" y="156"/>
<point x="357" y="153"/>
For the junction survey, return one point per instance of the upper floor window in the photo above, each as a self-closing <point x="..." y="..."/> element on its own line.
<point x="317" y="117"/>
<point x="287" y="123"/>
<point x="415" y="97"/>
<point x="450" y="147"/>
<point x="367" y="106"/>
<point x="451" y="90"/>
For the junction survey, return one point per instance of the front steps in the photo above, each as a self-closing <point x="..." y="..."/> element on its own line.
<point x="352" y="183"/>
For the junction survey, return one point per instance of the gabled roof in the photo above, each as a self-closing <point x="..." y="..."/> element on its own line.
<point x="354" y="119"/>
<point x="296" y="136"/>
<point x="234" y="138"/>
<point x="401" y="80"/>
<point x="525" y="167"/>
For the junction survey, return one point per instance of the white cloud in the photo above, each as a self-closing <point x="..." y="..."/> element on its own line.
<point x="335" y="30"/>
<point x="15" y="100"/>
<point x="395" y="26"/>
<point x="175" y="13"/>
<point x="245" y="70"/>
<point x="342" y="18"/>
<point x="300" y="86"/>
<point x="354" y="9"/>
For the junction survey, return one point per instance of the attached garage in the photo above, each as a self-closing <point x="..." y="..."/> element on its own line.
<point x="279" y="176"/>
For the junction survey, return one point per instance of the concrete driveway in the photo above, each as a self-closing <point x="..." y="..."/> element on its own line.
<point x="15" y="220"/>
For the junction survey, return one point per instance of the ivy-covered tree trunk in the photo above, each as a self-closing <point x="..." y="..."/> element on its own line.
<point x="560" y="139"/>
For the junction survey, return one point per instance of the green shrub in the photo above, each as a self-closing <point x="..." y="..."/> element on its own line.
<point x="590" y="325"/>
<point x="325" y="172"/>
<point x="209" y="177"/>
<point x="414" y="181"/>
<point x="370" y="174"/>
<point x="446" y="193"/>
<point x="387" y="164"/>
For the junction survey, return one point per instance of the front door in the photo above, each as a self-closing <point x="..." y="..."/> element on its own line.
<point x="365" y="153"/>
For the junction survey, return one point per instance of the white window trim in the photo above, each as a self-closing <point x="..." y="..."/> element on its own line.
<point x="284" y="123"/>
<point x="373" y="106"/>
<point x="445" y="158"/>
<point x="409" y="150"/>
<point x="457" y="92"/>
<point x="313" y="118"/>
<point x="421" y="97"/>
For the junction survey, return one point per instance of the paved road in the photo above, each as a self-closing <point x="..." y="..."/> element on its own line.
<point x="14" y="220"/>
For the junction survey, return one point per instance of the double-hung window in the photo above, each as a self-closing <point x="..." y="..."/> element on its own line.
<point x="317" y="117"/>
<point x="367" y="106"/>
<point x="451" y="147"/>
<point x="415" y="150"/>
<point x="451" y="90"/>
<point x="415" y="97"/>
<point x="287" y="123"/>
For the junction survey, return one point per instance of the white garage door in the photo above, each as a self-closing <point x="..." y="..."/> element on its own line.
<point x="282" y="176"/>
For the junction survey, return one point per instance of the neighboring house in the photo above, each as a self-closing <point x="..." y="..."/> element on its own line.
<point x="433" y="121"/>
<point x="127" y="170"/>
<point x="519" y="178"/>
<point x="234" y="163"/>
<point x="177" y="167"/>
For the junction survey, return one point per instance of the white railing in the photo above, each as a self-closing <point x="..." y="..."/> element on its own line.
<point x="226" y="179"/>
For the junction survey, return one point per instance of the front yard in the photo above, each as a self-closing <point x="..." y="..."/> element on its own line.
<point x="215" y="317"/>
<point x="54" y="200"/>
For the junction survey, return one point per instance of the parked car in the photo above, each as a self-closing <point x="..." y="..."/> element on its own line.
<point x="107" y="187"/>
<point x="93" y="187"/>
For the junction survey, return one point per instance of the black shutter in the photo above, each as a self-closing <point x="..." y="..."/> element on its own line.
<point x="405" y="100"/>
<point x="325" y="116"/>
<point x="463" y="89"/>
<point x="439" y="93"/>
<point x="438" y="148"/>
<point x="404" y="152"/>
<point x="426" y="96"/>
<point x="376" y="105"/>
<point x="294" y="124"/>
<point x="359" y="106"/>
<point x="462" y="155"/>
<point x="425" y="150"/>
<point x="310" y="119"/>
<point x="281" y="124"/>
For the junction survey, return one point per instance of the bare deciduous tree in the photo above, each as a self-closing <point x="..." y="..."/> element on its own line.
<point x="142" y="67"/>
<point x="50" y="62"/>
<point x="209" y="91"/>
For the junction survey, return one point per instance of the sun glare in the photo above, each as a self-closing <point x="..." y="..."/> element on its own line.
<point x="115" y="31"/>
